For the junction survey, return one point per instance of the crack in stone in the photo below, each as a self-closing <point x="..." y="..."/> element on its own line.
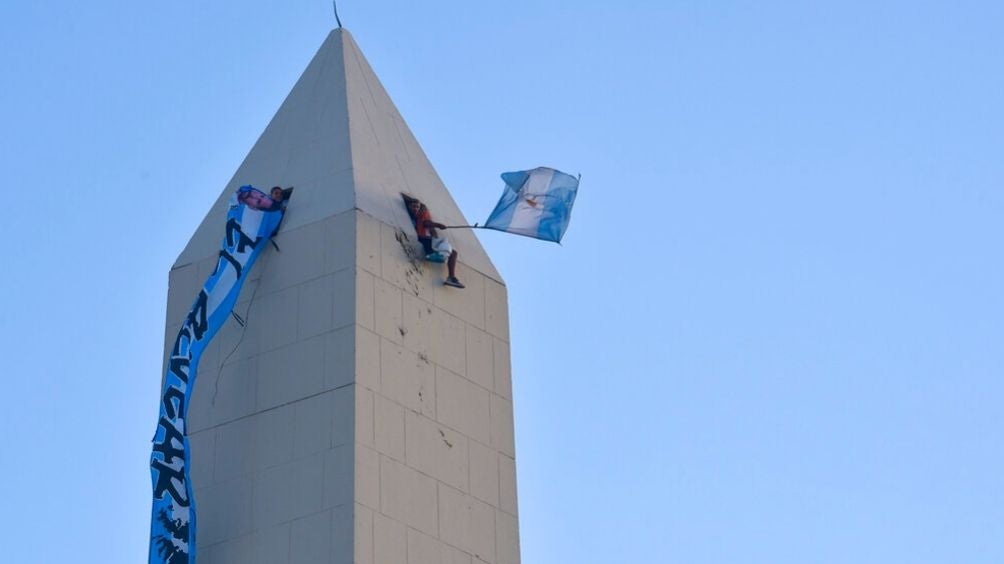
<point x="443" y="435"/>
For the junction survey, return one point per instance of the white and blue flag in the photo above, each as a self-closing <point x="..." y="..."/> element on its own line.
<point x="252" y="219"/>
<point x="537" y="203"/>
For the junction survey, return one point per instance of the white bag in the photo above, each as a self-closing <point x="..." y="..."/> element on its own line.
<point x="441" y="245"/>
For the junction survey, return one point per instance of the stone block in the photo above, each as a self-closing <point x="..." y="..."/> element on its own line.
<point x="390" y="544"/>
<point x="480" y="358"/>
<point x="423" y="549"/>
<point x="484" y="467"/>
<point x="200" y="408"/>
<point x="408" y="496"/>
<point x="301" y="258"/>
<point x="343" y="285"/>
<point x="364" y="424"/>
<point x="401" y="262"/>
<point x="467" y="304"/>
<point x="506" y="538"/>
<point x="322" y="164"/>
<point x="273" y="436"/>
<point x="363" y="534"/>
<point x="503" y="370"/>
<point x="367" y="476"/>
<point x="450" y="350"/>
<point x="339" y="242"/>
<point x="507" y="484"/>
<point x="343" y="415"/>
<point x="365" y="300"/>
<point x="236" y="551"/>
<point x="339" y="476"/>
<point x="482" y="531"/>
<point x="467" y="523"/>
<point x="388" y="427"/>
<point x="202" y="446"/>
<point x="289" y="491"/>
<point x="367" y="355"/>
<point x="234" y="451"/>
<point x="234" y="392"/>
<point x="341" y="534"/>
<point x="312" y="425"/>
<point x="453" y="555"/>
<point x="421" y="326"/>
<point x="319" y="153"/>
<point x="272" y="320"/>
<point x="183" y="286"/>
<point x="207" y="265"/>
<point x="235" y="342"/>
<point x="224" y="510"/>
<point x="407" y="378"/>
<point x="318" y="197"/>
<point x="463" y="405"/>
<point x="340" y="357"/>
<point x="502" y="426"/>
<point x="211" y="360"/>
<point x="310" y="539"/>
<point x="496" y="310"/>
<point x="368" y="243"/>
<point x="290" y="373"/>
<point x="389" y="311"/>
<point x="272" y="544"/>
<point x="316" y="307"/>
<point x="436" y="450"/>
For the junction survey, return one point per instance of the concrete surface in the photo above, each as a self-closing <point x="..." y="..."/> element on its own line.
<point x="364" y="414"/>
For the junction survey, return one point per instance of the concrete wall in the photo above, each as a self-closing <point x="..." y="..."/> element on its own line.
<point x="364" y="414"/>
<point x="434" y="465"/>
<point x="271" y="424"/>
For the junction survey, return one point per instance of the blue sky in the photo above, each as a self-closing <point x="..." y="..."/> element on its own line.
<point x="773" y="331"/>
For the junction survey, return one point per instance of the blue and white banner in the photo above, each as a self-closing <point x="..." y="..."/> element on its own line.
<point x="536" y="203"/>
<point x="252" y="219"/>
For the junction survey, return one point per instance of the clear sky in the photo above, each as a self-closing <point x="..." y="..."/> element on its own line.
<point x="773" y="333"/>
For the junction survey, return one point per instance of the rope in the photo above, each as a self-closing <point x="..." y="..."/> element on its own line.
<point x="243" y="323"/>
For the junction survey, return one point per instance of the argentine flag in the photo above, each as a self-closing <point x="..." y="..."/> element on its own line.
<point x="537" y="203"/>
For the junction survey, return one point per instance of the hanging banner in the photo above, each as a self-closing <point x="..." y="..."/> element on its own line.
<point x="253" y="218"/>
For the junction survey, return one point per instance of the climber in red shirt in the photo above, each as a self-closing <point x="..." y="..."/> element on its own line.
<point x="435" y="246"/>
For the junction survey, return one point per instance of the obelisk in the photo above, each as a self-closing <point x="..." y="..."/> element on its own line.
<point x="363" y="412"/>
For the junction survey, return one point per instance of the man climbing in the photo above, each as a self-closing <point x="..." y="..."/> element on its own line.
<point x="434" y="245"/>
<point x="277" y="194"/>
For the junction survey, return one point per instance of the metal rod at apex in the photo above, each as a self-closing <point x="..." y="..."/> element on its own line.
<point x="334" y="4"/>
